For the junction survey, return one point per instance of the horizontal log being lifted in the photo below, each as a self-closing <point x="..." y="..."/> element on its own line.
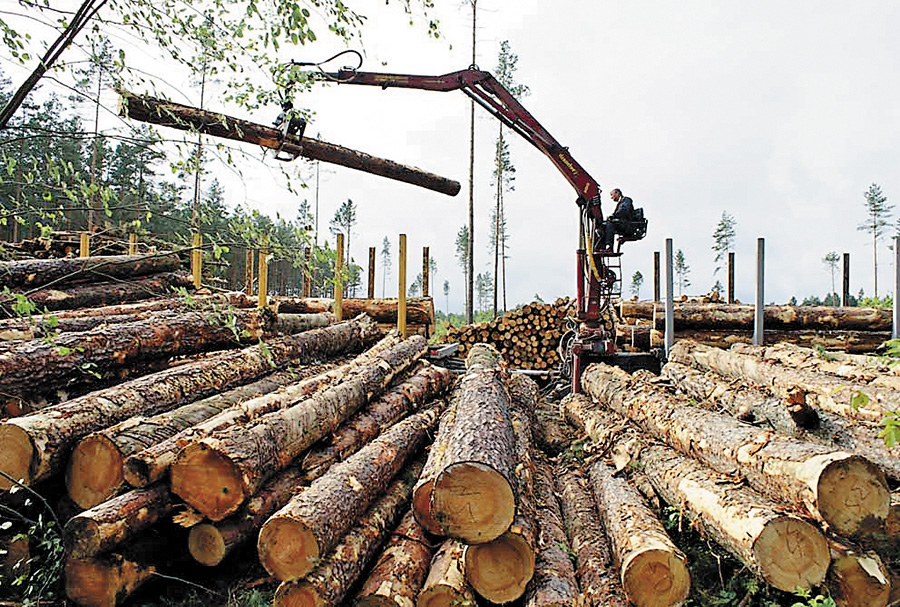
<point x="186" y="118"/>
<point x="31" y="273"/>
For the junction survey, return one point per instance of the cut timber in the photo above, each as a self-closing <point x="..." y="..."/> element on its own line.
<point x="848" y="341"/>
<point x="652" y="568"/>
<point x="31" y="273"/>
<point x="182" y="117"/>
<point x="593" y="556"/>
<point x="473" y="497"/>
<point x="446" y="583"/>
<point x="217" y="473"/>
<point x="554" y="583"/>
<point x="842" y="489"/>
<point x="551" y="432"/>
<point x="865" y="369"/>
<point x="299" y="535"/>
<point x="153" y="463"/>
<point x="421" y="497"/>
<point x="500" y="570"/>
<point x="398" y="575"/>
<point x="328" y="584"/>
<point x="419" y="310"/>
<point x="858" y="579"/>
<point x="35" y="446"/>
<point x="94" y="295"/>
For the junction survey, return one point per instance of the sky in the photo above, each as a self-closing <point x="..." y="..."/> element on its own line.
<point x="780" y="114"/>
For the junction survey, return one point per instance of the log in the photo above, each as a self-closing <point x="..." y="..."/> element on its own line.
<point x="473" y="497"/>
<point x="865" y="369"/>
<point x="31" y="273"/>
<point x="94" y="295"/>
<point x="153" y="463"/>
<point x="182" y="117"/>
<point x="858" y="578"/>
<point x="554" y="583"/>
<point x="332" y="579"/>
<point x="421" y="496"/>
<point x="15" y="558"/>
<point x="593" y="556"/>
<point x="217" y="473"/>
<point x="419" y="310"/>
<point x="301" y="533"/>
<point x="401" y="569"/>
<point x="446" y="582"/>
<point x="551" y="432"/>
<point x="35" y="446"/>
<point x="837" y="487"/>
<point x="859" y="342"/>
<point x="652" y="569"/>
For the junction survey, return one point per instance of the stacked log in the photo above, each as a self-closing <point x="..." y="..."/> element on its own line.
<point x="419" y="310"/>
<point x="32" y="273"/>
<point x="446" y="583"/>
<point x="96" y="294"/>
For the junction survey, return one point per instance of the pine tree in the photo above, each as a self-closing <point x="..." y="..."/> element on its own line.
<point x="447" y="297"/>
<point x="637" y="279"/>
<point x="681" y="271"/>
<point x="877" y="212"/>
<point x="462" y="251"/>
<point x="343" y="221"/>
<point x="385" y="262"/>
<point x="831" y="260"/>
<point x="723" y="239"/>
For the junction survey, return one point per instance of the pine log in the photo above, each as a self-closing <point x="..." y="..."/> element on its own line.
<point x="593" y="557"/>
<point x="35" y="446"/>
<point x="177" y="116"/>
<point x="554" y="583"/>
<point x="329" y="583"/>
<point x="421" y="496"/>
<point x="30" y="273"/>
<point x="153" y="463"/>
<point x="96" y="467"/>
<point x="301" y="533"/>
<point x="446" y="582"/>
<point x="551" y="432"/>
<point x="217" y="473"/>
<point x="858" y="578"/>
<point x="473" y="497"/>
<point x="865" y="369"/>
<point x="400" y="571"/>
<point x="419" y="310"/>
<point x="499" y="570"/>
<point x="652" y="569"/>
<point x="837" y="487"/>
<point x="859" y="342"/>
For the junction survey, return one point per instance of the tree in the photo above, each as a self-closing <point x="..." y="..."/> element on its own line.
<point x="463" y="250"/>
<point x="681" y="271"/>
<point x="447" y="296"/>
<point x="637" y="279"/>
<point x="415" y="288"/>
<point x="470" y="232"/>
<point x="831" y="260"/>
<point x="385" y="262"/>
<point x="717" y="287"/>
<point x="723" y="239"/>
<point x="877" y="212"/>
<point x="484" y="285"/>
<point x="343" y="221"/>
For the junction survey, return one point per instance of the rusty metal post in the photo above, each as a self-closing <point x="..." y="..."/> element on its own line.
<point x="845" y="300"/>
<point x="263" y="270"/>
<point x="401" y="293"/>
<point x="308" y="273"/>
<point x="731" y="277"/>
<point x="371" y="272"/>
<point x="85" y="245"/>
<point x="425" y="272"/>
<point x="248" y="272"/>
<point x="655" y="276"/>
<point x="132" y="244"/>
<point x="197" y="258"/>
<point x="338" y="277"/>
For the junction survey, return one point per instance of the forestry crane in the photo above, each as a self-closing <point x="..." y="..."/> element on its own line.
<point x="593" y="333"/>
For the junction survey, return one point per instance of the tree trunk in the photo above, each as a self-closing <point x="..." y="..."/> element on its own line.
<point x="398" y="575"/>
<point x="840" y="488"/>
<point x="473" y="497"/>
<point x="153" y="463"/>
<point x="446" y="582"/>
<point x="859" y="342"/>
<point x="652" y="568"/>
<point x="554" y="583"/>
<point x="217" y="473"/>
<point x="858" y="579"/>
<point x="93" y="295"/>
<point x="551" y="432"/>
<point x="34" y="447"/>
<point x="328" y="584"/>
<point x="419" y="310"/>
<point x="593" y="561"/>
<point x="421" y="496"/>
<point x="31" y="273"/>
<point x="299" y="535"/>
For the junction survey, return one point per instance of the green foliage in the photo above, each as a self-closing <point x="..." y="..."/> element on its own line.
<point x="723" y="239"/>
<point x="891" y="432"/>
<point x="682" y="271"/>
<point x="813" y="601"/>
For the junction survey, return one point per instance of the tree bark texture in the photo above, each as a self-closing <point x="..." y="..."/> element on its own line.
<point x="329" y="583"/>
<point x="857" y="342"/>
<point x="35" y="446"/>
<point x="554" y="583"/>
<point x="551" y="432"/>
<point x="400" y="571"/>
<point x="593" y="557"/>
<point x="419" y="310"/>
<point x="857" y="578"/>
<point x="652" y="569"/>
<point x="446" y="582"/>
<point x="421" y="496"/>
<point x="177" y="116"/>
<point x="31" y="273"/>
<point x="216" y="474"/>
<point x="302" y="532"/>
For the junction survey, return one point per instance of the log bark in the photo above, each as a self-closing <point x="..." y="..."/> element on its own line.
<point x="473" y="497"/>
<point x="858" y="342"/>
<point x="177" y="116"/>
<point x="153" y="463"/>
<point x="31" y="273"/>
<point x="593" y="557"/>
<point x="857" y="578"/>
<point x="34" y="447"/>
<point x="94" y="295"/>
<point x="301" y="533"/>
<point x="652" y="569"/>
<point x="421" y="496"/>
<point x="446" y="582"/>
<point x="419" y="310"/>
<point x="554" y="583"/>
<point x="401" y="569"/>
<point x="865" y="369"/>
<point x="551" y="432"/>
<point x="840" y="488"/>
<point x="329" y="583"/>
<point x="216" y="474"/>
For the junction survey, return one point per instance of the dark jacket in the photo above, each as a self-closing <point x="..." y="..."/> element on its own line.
<point x="624" y="210"/>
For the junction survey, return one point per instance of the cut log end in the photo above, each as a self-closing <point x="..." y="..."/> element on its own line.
<point x="792" y="553"/>
<point x="16" y="455"/>
<point x="656" y="578"/>
<point x="206" y="544"/>
<point x="500" y="570"/>
<point x="473" y="502"/>
<point x="287" y="549"/>
<point x="421" y="500"/>
<point x="95" y="471"/>
<point x="297" y="595"/>
<point x="860" y="581"/>
<point x="853" y="497"/>
<point x="89" y="583"/>
<point x="208" y="481"/>
<point x="82" y="537"/>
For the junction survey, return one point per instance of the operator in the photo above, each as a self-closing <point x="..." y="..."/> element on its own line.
<point x="616" y="222"/>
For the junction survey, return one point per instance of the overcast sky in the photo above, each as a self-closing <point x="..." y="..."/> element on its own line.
<point x="780" y="113"/>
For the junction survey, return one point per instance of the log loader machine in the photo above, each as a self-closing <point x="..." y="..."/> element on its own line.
<point x="592" y="333"/>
